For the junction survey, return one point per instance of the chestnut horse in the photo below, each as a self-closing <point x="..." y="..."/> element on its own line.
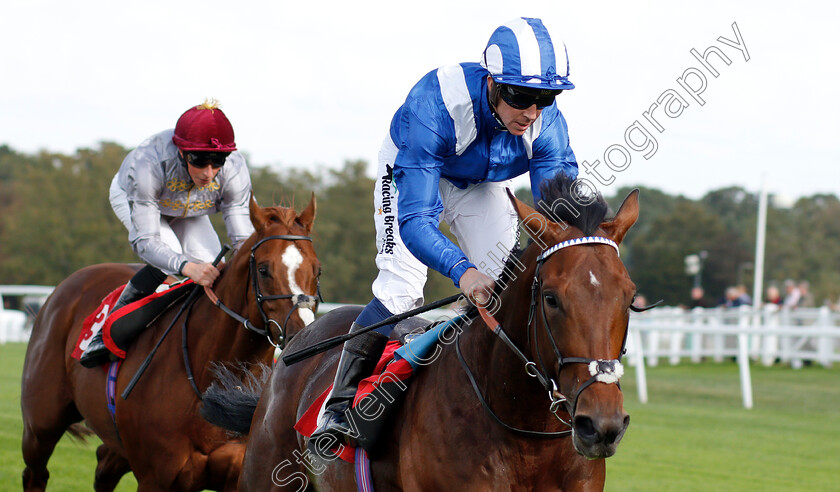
<point x="489" y="412"/>
<point x="157" y="432"/>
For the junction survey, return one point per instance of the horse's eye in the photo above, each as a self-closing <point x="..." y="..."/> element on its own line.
<point x="550" y="300"/>
<point x="263" y="269"/>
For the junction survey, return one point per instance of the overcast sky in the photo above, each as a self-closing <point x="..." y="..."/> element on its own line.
<point x="312" y="84"/>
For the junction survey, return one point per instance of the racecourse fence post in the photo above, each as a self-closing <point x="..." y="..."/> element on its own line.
<point x="698" y="320"/>
<point x="770" y="343"/>
<point x="635" y="348"/>
<point x="825" y="345"/>
<point x="744" y="357"/>
<point x="718" y="339"/>
<point x="785" y="340"/>
<point x="652" y="352"/>
<point x="641" y="374"/>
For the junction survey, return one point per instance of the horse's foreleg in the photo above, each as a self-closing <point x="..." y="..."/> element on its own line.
<point x="110" y="468"/>
<point x="224" y="465"/>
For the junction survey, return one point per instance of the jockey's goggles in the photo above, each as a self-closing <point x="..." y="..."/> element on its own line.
<point x="200" y="160"/>
<point x="523" y="98"/>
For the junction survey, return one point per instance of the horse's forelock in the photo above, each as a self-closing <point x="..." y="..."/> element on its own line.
<point x="280" y="215"/>
<point x="562" y="201"/>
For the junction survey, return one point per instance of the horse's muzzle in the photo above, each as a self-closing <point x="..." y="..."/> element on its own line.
<point x="597" y="437"/>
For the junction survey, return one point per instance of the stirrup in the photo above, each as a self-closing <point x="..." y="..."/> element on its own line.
<point x="96" y="353"/>
<point x="333" y="427"/>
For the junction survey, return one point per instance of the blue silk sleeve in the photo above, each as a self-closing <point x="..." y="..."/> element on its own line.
<point x="417" y="173"/>
<point x="552" y="154"/>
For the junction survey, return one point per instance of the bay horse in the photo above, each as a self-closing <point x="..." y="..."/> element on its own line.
<point x="157" y="432"/>
<point x="489" y="413"/>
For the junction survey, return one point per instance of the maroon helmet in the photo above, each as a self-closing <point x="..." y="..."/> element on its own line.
<point x="204" y="128"/>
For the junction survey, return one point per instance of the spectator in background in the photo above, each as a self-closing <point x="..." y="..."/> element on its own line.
<point x="792" y="294"/>
<point x="730" y="297"/>
<point x="773" y="296"/>
<point x="698" y="298"/>
<point x="744" y="299"/>
<point x="736" y="297"/>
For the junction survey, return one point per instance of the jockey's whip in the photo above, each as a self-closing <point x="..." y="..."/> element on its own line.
<point x="329" y="343"/>
<point x="191" y="299"/>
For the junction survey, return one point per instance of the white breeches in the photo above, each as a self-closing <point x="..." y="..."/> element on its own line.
<point x="480" y="217"/>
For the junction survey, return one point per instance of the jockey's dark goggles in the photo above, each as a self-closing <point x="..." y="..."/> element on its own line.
<point x="522" y="98"/>
<point x="201" y="160"/>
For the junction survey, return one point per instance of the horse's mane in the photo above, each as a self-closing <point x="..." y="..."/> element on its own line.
<point x="563" y="200"/>
<point x="557" y="191"/>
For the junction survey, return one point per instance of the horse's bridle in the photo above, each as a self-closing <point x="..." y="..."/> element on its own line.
<point x="298" y="300"/>
<point x="600" y="370"/>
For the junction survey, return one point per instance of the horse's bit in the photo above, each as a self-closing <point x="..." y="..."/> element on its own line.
<point x="600" y="370"/>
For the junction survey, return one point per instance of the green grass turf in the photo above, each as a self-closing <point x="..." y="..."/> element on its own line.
<point x="72" y="464"/>
<point x="692" y="435"/>
<point x="695" y="435"/>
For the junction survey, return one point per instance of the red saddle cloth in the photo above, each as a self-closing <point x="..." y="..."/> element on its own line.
<point x="93" y="323"/>
<point x="388" y="372"/>
<point x="142" y="311"/>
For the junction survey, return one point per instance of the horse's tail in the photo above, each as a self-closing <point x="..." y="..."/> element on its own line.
<point x="79" y="432"/>
<point x="231" y="400"/>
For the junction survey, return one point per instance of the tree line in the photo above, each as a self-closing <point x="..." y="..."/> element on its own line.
<point x="55" y="218"/>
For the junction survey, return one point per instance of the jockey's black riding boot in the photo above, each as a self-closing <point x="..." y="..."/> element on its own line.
<point x="358" y="359"/>
<point x="142" y="284"/>
<point x="96" y="352"/>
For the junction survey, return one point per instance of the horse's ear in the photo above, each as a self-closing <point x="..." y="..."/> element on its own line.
<point x="307" y="217"/>
<point x="624" y="219"/>
<point x="537" y="226"/>
<point x="256" y="213"/>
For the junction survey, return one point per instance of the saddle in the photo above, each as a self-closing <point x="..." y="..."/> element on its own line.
<point x="412" y="341"/>
<point x="407" y="329"/>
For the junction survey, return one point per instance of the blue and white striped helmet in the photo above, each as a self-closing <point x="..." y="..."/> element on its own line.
<point x="521" y="53"/>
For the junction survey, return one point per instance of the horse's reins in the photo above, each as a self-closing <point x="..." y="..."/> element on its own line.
<point x="187" y="304"/>
<point x="298" y="300"/>
<point x="600" y="370"/>
<point x="530" y="369"/>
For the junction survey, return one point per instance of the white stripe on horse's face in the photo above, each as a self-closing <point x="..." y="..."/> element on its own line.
<point x="593" y="280"/>
<point x="293" y="259"/>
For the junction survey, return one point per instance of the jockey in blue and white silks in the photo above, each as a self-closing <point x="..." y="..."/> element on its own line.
<point x="462" y="134"/>
<point x="461" y="147"/>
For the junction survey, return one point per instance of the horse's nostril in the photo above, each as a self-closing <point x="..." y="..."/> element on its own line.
<point x="585" y="428"/>
<point x="602" y="431"/>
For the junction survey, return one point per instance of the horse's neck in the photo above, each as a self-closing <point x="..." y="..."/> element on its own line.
<point x="221" y="337"/>
<point x="501" y="377"/>
<point x="514" y="395"/>
<point x="234" y="290"/>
